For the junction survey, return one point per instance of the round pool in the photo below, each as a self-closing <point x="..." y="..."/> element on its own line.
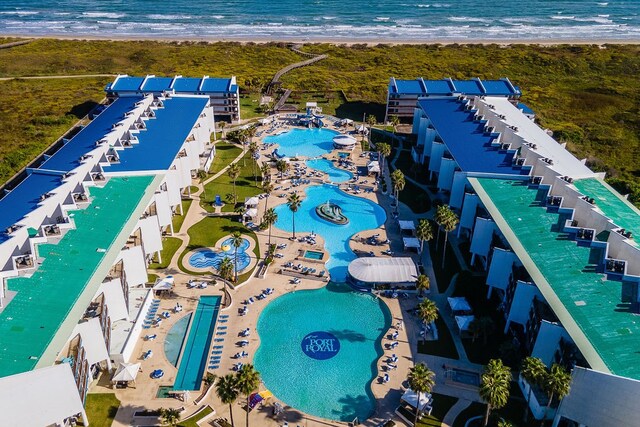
<point x="205" y="258"/>
<point x="319" y="348"/>
<point x="303" y="142"/>
<point x="335" y="174"/>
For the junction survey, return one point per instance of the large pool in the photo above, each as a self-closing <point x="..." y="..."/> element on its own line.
<point x="204" y="258"/>
<point x="335" y="174"/>
<point x="175" y="338"/>
<point x="319" y="349"/>
<point x="303" y="142"/>
<point x="363" y="215"/>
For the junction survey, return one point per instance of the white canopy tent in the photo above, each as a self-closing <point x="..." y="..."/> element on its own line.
<point x="411" y="397"/>
<point x="383" y="270"/>
<point x="407" y="225"/>
<point x="344" y="141"/>
<point x="464" y="322"/>
<point x="373" y="167"/>
<point x="126" y="372"/>
<point x="458" y="304"/>
<point x="164" y="284"/>
<point x="251" y="213"/>
<point x="251" y="202"/>
<point x="411" y="243"/>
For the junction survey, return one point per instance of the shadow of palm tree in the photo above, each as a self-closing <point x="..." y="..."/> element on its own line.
<point x="352" y="407"/>
<point x="348" y="335"/>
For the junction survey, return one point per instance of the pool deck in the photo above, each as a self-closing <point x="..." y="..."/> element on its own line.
<point x="387" y="395"/>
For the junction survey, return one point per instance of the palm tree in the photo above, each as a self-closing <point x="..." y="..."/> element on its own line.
<point x="421" y="380"/>
<point x="247" y="381"/>
<point x="265" y="169"/>
<point x="371" y="121"/>
<point x="254" y="152"/>
<point x="227" y="391"/>
<point x="556" y="383"/>
<point x="222" y="125"/>
<point x="494" y="386"/>
<point x="282" y="167"/>
<point x="248" y="135"/>
<point x="170" y="416"/>
<point x="270" y="217"/>
<point x="422" y="283"/>
<point x="234" y="173"/>
<point x="267" y="188"/>
<point x="533" y="372"/>
<point x="236" y="242"/>
<point x="482" y="326"/>
<point x="397" y="178"/>
<point x="424" y="232"/>
<point x="294" y="201"/>
<point x="428" y="311"/>
<point x="383" y="150"/>
<point x="395" y="121"/>
<point x="225" y="269"/>
<point x="448" y="221"/>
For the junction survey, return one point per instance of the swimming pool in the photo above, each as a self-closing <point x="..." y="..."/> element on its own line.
<point x="193" y="359"/>
<point x="362" y="214"/>
<point x="313" y="255"/>
<point x="335" y="174"/>
<point x="204" y="258"/>
<point x="317" y="356"/>
<point x="304" y="142"/>
<point x="175" y="338"/>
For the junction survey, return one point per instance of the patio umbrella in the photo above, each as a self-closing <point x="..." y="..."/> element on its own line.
<point x="126" y="372"/>
<point x="164" y="284"/>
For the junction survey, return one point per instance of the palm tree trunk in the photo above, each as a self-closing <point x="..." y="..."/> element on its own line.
<point x="235" y="265"/>
<point x="231" y="415"/>
<point x="546" y="410"/>
<point x="235" y="196"/>
<point x="415" y="422"/>
<point x="437" y="237"/>
<point x="255" y="175"/>
<point x="269" y="235"/>
<point x="486" y="415"/>
<point x="444" y="250"/>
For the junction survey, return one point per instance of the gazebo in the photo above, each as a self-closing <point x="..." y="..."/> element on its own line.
<point x="459" y="305"/>
<point x="344" y="142"/>
<point x="373" y="167"/>
<point x="407" y="228"/>
<point x="411" y="243"/>
<point x="126" y="373"/>
<point x="464" y="322"/>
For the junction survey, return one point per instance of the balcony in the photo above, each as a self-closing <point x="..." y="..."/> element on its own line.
<point x="24" y="262"/>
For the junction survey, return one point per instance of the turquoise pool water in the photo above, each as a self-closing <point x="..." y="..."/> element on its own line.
<point x="175" y="338"/>
<point x="335" y="174"/>
<point x="363" y="215"/>
<point x="336" y="388"/>
<point x="303" y="142"/>
<point x="313" y="255"/>
<point x="193" y="360"/>
<point x="204" y="258"/>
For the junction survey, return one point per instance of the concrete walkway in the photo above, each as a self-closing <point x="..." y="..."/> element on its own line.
<point x="455" y="410"/>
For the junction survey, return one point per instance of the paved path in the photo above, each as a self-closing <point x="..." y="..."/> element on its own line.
<point x="455" y="410"/>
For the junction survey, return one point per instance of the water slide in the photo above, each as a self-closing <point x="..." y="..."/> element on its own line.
<point x="275" y="154"/>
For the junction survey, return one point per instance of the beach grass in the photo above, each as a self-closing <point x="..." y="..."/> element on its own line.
<point x="588" y="95"/>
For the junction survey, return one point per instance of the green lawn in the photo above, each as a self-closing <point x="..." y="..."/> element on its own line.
<point x="444" y="346"/>
<point x="225" y="153"/>
<point x="441" y="405"/>
<point x="207" y="232"/>
<point x="249" y="106"/>
<point x="415" y="197"/>
<point x="179" y="219"/>
<point x="192" y="422"/>
<point x="151" y="278"/>
<point x="169" y="247"/>
<point x="101" y="408"/>
<point x="223" y="186"/>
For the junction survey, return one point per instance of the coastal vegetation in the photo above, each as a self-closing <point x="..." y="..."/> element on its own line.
<point x="588" y="95"/>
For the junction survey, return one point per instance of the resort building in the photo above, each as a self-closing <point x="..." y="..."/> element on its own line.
<point x="402" y="95"/>
<point x="557" y="242"/>
<point x="224" y="93"/>
<point x="78" y="230"/>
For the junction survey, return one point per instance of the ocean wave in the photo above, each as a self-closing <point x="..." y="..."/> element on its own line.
<point x="467" y="19"/>
<point x="602" y="4"/>
<point x="160" y="17"/>
<point x="382" y="18"/>
<point x="108" y="15"/>
<point x="329" y="18"/>
<point x="19" y="12"/>
<point x="600" y="19"/>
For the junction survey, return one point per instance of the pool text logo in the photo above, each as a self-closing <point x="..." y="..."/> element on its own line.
<point x="320" y="345"/>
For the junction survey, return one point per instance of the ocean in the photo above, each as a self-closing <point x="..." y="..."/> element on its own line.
<point x="348" y="20"/>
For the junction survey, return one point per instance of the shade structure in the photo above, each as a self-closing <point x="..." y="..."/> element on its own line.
<point x="164" y="284"/>
<point x="344" y="141"/>
<point x="373" y="167"/>
<point x="411" y="397"/>
<point x="253" y="212"/>
<point x="383" y="270"/>
<point x="251" y="202"/>
<point x="406" y="225"/>
<point x="411" y="243"/>
<point x="464" y="322"/>
<point x="126" y="372"/>
<point x="458" y="304"/>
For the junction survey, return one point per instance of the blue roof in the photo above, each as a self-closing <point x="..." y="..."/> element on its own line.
<point x="500" y="87"/>
<point x="187" y="84"/>
<point x="465" y="138"/>
<point x="160" y="142"/>
<point x="216" y="85"/>
<point x="25" y="197"/>
<point x="525" y="109"/>
<point x="157" y="84"/>
<point x="68" y="156"/>
<point x="127" y="84"/>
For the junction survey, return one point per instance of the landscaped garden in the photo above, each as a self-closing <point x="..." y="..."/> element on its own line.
<point x="101" y="408"/>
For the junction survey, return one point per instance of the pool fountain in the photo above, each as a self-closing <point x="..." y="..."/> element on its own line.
<point x="332" y="213"/>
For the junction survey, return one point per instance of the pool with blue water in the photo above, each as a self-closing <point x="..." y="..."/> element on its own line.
<point x="205" y="258"/>
<point x="303" y="142"/>
<point x="334" y="173"/>
<point x="175" y="338"/>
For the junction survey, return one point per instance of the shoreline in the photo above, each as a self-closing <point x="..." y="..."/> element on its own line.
<point x="328" y="40"/>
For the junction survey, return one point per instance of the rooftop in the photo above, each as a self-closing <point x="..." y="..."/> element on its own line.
<point x="207" y="85"/>
<point x="25" y="197"/>
<point x="465" y="138"/>
<point x="612" y="204"/>
<point x="420" y="86"/>
<point x="595" y="311"/>
<point x="68" y="156"/>
<point x="383" y="270"/>
<point x="67" y="275"/>
<point x="165" y="134"/>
